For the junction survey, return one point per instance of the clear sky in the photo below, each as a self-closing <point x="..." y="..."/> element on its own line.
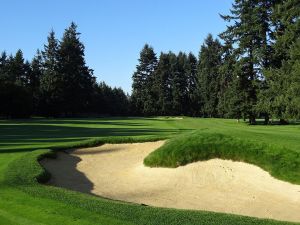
<point x="113" y="31"/>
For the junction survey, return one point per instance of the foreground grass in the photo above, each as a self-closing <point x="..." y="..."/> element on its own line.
<point x="280" y="162"/>
<point x="24" y="201"/>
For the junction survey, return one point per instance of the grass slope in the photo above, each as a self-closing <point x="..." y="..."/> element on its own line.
<point x="280" y="162"/>
<point x="24" y="201"/>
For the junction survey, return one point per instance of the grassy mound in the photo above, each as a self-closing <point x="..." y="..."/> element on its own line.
<point x="280" y="162"/>
<point x="26" y="169"/>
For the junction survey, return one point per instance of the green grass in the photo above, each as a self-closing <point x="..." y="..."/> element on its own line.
<point x="280" y="162"/>
<point x="24" y="201"/>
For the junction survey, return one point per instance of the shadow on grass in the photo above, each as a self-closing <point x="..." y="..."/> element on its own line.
<point x="276" y="123"/>
<point x="118" y="121"/>
<point x="28" y="137"/>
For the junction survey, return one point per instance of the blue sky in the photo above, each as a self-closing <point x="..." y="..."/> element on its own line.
<point x="113" y="31"/>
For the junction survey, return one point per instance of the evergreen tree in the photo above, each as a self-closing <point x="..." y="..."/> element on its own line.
<point x="163" y="78"/>
<point x="34" y="79"/>
<point x="150" y="106"/>
<point x="3" y="84"/>
<point x="254" y="74"/>
<point x="264" y="10"/>
<point x="15" y="98"/>
<point x="142" y="99"/>
<point x="285" y="19"/>
<point x="109" y="101"/>
<point x="51" y="86"/>
<point x="179" y="84"/>
<point x="293" y="64"/>
<point x="191" y="86"/>
<point x="250" y="32"/>
<point x="56" y="82"/>
<point x="282" y="98"/>
<point x="278" y="98"/>
<point x="208" y="75"/>
<point x="226" y="96"/>
<point x="77" y="78"/>
<point x="3" y="67"/>
<point x="238" y="93"/>
<point x="119" y="102"/>
<point x="101" y="99"/>
<point x="17" y="70"/>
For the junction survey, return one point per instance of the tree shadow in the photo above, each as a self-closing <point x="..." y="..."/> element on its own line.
<point x="65" y="174"/>
<point x="27" y="136"/>
<point x="118" y="121"/>
<point x="67" y="122"/>
<point x="30" y="134"/>
<point x="276" y="123"/>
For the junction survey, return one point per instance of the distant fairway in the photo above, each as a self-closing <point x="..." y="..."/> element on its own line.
<point x="37" y="204"/>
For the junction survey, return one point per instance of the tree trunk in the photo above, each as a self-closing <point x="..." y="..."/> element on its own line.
<point x="252" y="120"/>
<point x="283" y="122"/>
<point x="267" y="119"/>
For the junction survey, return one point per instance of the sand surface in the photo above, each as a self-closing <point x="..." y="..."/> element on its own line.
<point x="116" y="171"/>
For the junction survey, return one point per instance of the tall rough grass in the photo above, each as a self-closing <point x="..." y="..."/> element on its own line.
<point x="280" y="162"/>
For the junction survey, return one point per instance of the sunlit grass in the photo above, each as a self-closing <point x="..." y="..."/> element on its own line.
<point x="24" y="201"/>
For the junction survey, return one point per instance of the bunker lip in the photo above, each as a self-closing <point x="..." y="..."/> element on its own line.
<point x="116" y="171"/>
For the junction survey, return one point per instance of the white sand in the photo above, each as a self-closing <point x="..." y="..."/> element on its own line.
<point x="116" y="171"/>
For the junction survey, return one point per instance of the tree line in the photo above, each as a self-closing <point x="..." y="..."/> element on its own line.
<point x="252" y="72"/>
<point x="57" y="82"/>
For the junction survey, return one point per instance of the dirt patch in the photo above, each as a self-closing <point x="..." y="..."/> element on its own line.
<point x="116" y="171"/>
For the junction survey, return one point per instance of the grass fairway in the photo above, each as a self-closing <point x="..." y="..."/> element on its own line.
<point x="24" y="201"/>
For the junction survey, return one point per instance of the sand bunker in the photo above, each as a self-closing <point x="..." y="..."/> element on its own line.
<point x="116" y="171"/>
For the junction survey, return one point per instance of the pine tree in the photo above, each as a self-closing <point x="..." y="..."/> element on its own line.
<point x="285" y="19"/>
<point x="3" y="67"/>
<point x="208" y="75"/>
<point x="101" y="99"/>
<point x="109" y="101"/>
<point x="179" y="84"/>
<point x="238" y="93"/>
<point x="4" y="102"/>
<point x="51" y="86"/>
<point x="226" y="100"/>
<point x="294" y="89"/>
<point x="250" y="32"/>
<point x="77" y="78"/>
<point x="163" y="78"/>
<point x="279" y="98"/>
<point x="142" y="99"/>
<point x="150" y="96"/>
<point x="119" y="101"/>
<point x="191" y="86"/>
<point x="16" y="100"/>
<point x="17" y="69"/>
<point x="34" y="78"/>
